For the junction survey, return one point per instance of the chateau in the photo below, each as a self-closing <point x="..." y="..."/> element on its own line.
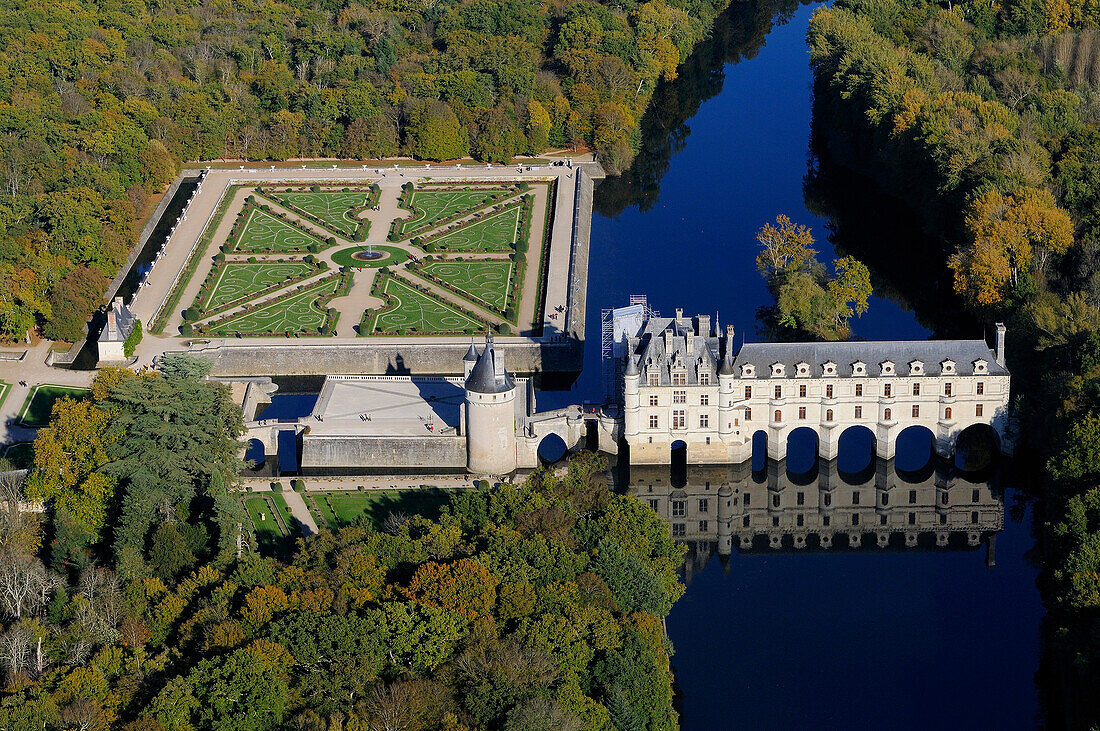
<point x="687" y="385"/>
<point x="679" y="383"/>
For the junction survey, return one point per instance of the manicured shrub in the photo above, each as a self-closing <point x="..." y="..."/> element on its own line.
<point x="187" y="329"/>
<point x="298" y="485"/>
<point x="192" y="313"/>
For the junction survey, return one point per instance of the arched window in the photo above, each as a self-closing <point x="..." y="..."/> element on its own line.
<point x="775" y="501"/>
<point x="885" y="499"/>
<point x="947" y="414"/>
<point x="887" y="415"/>
<point x="778" y="415"/>
<point x="828" y="414"/>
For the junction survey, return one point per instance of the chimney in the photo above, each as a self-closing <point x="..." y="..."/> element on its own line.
<point x="999" y="350"/>
<point x="704" y="325"/>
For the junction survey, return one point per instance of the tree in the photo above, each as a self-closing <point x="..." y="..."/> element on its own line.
<point x="1078" y="460"/>
<point x="464" y="587"/>
<point x="498" y="138"/>
<point x="849" y="290"/>
<point x="68" y="457"/>
<point x="786" y="247"/>
<point x="538" y="127"/>
<point x="1007" y="234"/>
<point x="434" y="133"/>
<point x="181" y="441"/>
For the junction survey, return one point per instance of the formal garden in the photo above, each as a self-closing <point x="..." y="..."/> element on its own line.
<point x="411" y="310"/>
<point x="242" y="280"/>
<point x="261" y="231"/>
<point x="454" y="267"/>
<point x="337" y="210"/>
<point x="303" y="311"/>
<point x="486" y="281"/>
<point x="433" y="206"/>
<point x="495" y="232"/>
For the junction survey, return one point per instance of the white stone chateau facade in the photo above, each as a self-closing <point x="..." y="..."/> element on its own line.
<point x="684" y="382"/>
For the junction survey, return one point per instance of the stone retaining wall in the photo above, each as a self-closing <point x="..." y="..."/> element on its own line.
<point x="377" y="357"/>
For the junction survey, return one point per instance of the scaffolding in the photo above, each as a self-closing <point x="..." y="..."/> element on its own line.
<point x="611" y="362"/>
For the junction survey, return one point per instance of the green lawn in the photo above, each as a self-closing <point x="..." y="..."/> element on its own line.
<point x="408" y="309"/>
<point x="237" y="280"/>
<point x="20" y="454"/>
<point x="264" y="232"/>
<point x="430" y="206"/>
<point x="334" y="209"/>
<point x="5" y="389"/>
<point x="295" y="313"/>
<point x="270" y="535"/>
<point x="495" y="232"/>
<point x="487" y="281"/>
<point x="340" y="509"/>
<point x="39" y="404"/>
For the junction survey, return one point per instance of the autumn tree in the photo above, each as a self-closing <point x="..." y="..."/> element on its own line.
<point x="785" y="247"/>
<point x="68" y="457"/>
<point x="1008" y="235"/>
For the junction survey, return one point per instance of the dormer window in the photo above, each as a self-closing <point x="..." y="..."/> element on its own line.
<point x="802" y="368"/>
<point x="887" y="367"/>
<point x="981" y="366"/>
<point x="916" y="368"/>
<point x="778" y="370"/>
<point x="859" y="368"/>
<point x="829" y="368"/>
<point x="947" y="367"/>
<point x="748" y="371"/>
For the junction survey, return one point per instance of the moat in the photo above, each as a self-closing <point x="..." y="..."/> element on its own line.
<point x="890" y="637"/>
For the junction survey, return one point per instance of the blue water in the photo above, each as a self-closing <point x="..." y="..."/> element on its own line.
<point x="892" y="640"/>
<point x="873" y="639"/>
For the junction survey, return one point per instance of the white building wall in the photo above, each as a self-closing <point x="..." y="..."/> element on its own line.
<point x="887" y="405"/>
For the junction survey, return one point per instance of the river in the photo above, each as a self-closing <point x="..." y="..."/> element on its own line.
<point x="894" y="638"/>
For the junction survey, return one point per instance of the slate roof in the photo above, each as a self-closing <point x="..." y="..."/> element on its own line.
<point x="654" y="354"/>
<point x="484" y="377"/>
<point x="901" y="353"/>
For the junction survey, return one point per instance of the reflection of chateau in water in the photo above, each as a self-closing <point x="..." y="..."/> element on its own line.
<point x="720" y="507"/>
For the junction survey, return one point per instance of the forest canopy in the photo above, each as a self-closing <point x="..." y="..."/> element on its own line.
<point x="100" y="102"/>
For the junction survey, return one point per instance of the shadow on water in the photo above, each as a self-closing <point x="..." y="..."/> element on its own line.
<point x="739" y="33"/>
<point x="908" y="266"/>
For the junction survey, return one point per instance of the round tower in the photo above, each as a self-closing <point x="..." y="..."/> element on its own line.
<point x="725" y="390"/>
<point x="490" y="415"/>
<point x="631" y="404"/>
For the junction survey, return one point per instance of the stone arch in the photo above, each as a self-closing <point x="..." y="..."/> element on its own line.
<point x="802" y="447"/>
<point x="759" y="452"/>
<point x="678" y="456"/>
<point x="976" y="448"/>
<point x="914" y="449"/>
<point x="551" y="448"/>
<point x="856" y="449"/>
